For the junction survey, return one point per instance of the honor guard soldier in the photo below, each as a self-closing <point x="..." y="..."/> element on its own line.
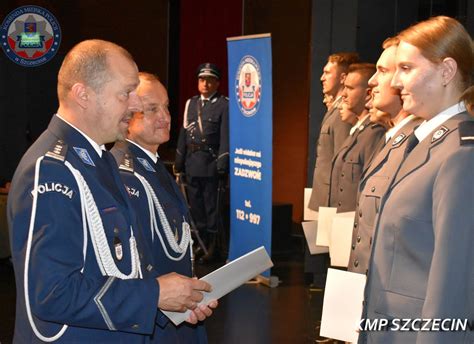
<point x="81" y="267"/>
<point x="158" y="202"/>
<point x="203" y="153"/>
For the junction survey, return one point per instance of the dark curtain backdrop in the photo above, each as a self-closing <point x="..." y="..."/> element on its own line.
<point x="204" y="27"/>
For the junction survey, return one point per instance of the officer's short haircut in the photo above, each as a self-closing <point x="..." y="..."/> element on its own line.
<point x="390" y="42"/>
<point x="148" y="76"/>
<point x="87" y="63"/>
<point x="366" y="70"/>
<point x="344" y="60"/>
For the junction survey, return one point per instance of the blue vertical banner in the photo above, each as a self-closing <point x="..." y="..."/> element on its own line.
<point x="251" y="133"/>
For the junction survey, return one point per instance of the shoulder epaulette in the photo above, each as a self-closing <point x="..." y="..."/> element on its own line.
<point x="376" y="125"/>
<point x="466" y="133"/>
<point x="126" y="164"/>
<point x="58" y="151"/>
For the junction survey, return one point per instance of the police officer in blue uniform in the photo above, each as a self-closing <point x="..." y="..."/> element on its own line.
<point x="156" y="197"/>
<point x="81" y="267"/>
<point x="203" y="152"/>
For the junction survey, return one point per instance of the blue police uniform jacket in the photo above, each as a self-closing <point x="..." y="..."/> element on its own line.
<point x="63" y="280"/>
<point x="204" y="153"/>
<point x="133" y="159"/>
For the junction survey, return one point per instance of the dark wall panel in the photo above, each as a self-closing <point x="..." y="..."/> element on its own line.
<point x="28" y="95"/>
<point x="289" y="25"/>
<point x="204" y="27"/>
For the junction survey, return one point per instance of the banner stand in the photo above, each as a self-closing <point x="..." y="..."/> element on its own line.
<point x="250" y="147"/>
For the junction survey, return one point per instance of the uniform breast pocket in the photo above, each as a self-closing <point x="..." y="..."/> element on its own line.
<point x="325" y="129"/>
<point x="117" y="231"/>
<point x="371" y="197"/>
<point x="212" y="125"/>
<point x="355" y="166"/>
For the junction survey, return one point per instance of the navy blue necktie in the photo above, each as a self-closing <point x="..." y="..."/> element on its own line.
<point x="411" y="143"/>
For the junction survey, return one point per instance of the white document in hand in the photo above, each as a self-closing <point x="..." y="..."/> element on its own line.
<point x="342" y="305"/>
<point x="228" y="278"/>
<point x="310" y="229"/>
<point x="341" y="238"/>
<point x="308" y="214"/>
<point x="324" y="225"/>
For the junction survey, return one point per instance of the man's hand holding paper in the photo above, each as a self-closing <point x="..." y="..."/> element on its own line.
<point x="179" y="293"/>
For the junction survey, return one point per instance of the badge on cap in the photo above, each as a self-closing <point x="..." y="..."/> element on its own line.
<point x="208" y="69"/>
<point x="146" y="165"/>
<point x="118" y="248"/>
<point x="398" y="139"/>
<point x="84" y="155"/>
<point x="439" y="134"/>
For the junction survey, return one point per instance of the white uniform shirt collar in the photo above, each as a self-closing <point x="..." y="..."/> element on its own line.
<point x="335" y="103"/>
<point x="153" y="156"/>
<point x="427" y="127"/>
<point x="94" y="144"/>
<point x="358" y="124"/>
<point x="392" y="131"/>
<point x="209" y="98"/>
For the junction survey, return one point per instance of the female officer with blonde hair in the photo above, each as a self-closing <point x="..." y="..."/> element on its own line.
<point x="422" y="255"/>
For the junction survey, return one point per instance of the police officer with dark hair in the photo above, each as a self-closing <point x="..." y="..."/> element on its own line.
<point x="203" y="153"/>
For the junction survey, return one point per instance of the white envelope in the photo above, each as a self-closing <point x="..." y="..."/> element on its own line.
<point x="341" y="238"/>
<point x="229" y="277"/>
<point x="324" y="225"/>
<point x="310" y="230"/>
<point x="342" y="305"/>
<point x="308" y="214"/>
